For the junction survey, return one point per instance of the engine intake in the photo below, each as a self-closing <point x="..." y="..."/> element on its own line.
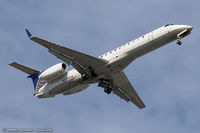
<point x="54" y="72"/>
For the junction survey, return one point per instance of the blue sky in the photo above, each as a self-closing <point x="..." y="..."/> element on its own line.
<point x="166" y="79"/>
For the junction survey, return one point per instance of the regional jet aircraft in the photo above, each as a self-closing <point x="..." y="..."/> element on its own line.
<point x="106" y="70"/>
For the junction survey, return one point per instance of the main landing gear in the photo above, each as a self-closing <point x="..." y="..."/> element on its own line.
<point x="88" y="72"/>
<point x="106" y="84"/>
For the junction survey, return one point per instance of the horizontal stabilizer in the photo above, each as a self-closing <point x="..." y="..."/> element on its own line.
<point x="23" y="68"/>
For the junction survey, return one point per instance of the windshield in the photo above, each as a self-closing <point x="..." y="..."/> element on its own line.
<point x="167" y="25"/>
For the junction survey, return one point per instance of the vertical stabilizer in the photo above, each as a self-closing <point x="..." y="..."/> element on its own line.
<point x="35" y="78"/>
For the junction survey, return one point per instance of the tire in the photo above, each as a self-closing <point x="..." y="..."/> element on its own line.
<point x="106" y="90"/>
<point x="109" y="91"/>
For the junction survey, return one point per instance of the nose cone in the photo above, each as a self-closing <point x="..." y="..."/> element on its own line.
<point x="188" y="27"/>
<point x="182" y="27"/>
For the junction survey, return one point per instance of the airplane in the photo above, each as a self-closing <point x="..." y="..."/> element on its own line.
<point x="106" y="70"/>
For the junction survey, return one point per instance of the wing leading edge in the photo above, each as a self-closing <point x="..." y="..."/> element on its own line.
<point x="125" y="90"/>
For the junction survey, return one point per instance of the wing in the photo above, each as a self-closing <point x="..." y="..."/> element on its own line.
<point x="79" y="60"/>
<point x="125" y="90"/>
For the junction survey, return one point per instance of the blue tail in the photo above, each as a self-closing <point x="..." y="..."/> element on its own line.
<point x="35" y="78"/>
<point x="37" y="83"/>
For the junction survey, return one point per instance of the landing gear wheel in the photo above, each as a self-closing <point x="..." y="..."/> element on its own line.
<point x="178" y="42"/>
<point x="107" y="90"/>
<point x="106" y="84"/>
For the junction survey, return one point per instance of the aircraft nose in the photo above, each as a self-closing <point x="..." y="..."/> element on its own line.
<point x="188" y="27"/>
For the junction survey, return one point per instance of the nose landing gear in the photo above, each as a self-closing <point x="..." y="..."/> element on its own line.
<point x="181" y="35"/>
<point x="179" y="42"/>
<point x="108" y="90"/>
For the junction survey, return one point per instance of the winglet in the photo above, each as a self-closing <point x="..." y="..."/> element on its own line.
<point x="28" y="33"/>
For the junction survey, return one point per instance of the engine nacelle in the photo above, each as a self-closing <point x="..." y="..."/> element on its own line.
<point x="54" y="72"/>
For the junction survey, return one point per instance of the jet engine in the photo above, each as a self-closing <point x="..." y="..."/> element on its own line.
<point x="54" y="72"/>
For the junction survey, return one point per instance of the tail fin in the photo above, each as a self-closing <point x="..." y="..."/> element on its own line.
<point x="35" y="78"/>
<point x="33" y="74"/>
<point x="37" y="83"/>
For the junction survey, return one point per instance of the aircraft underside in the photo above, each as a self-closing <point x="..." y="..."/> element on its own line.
<point x="106" y="70"/>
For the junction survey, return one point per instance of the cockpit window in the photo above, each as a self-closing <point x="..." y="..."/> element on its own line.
<point x="167" y="25"/>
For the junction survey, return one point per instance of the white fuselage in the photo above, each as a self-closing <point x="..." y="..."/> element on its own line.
<point x="120" y="57"/>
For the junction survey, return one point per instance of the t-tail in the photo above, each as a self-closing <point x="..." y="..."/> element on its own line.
<point x="33" y="74"/>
